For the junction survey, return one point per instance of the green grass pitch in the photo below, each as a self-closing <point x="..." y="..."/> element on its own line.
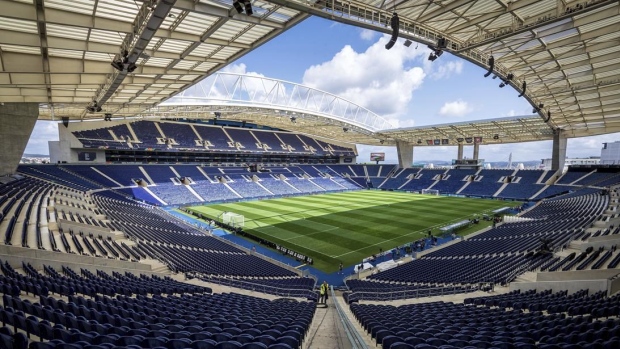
<point x="349" y="226"/>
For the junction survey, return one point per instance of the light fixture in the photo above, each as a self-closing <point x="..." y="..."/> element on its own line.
<point x="442" y="43"/>
<point x="437" y="52"/>
<point x="509" y="77"/>
<point x="217" y="114"/>
<point x="496" y="137"/>
<point x="293" y="119"/>
<point x="107" y="117"/>
<point x="537" y="109"/>
<point x="238" y="6"/>
<point x="344" y="129"/>
<point x="382" y="141"/>
<point x="248" y="8"/>
<point x="117" y="64"/>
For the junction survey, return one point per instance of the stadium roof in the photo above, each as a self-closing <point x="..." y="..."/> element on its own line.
<point x="568" y="52"/>
<point x="493" y="131"/>
<point x="274" y="103"/>
<point x="58" y="52"/>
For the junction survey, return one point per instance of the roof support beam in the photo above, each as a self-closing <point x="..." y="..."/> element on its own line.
<point x="23" y="11"/>
<point x="523" y="29"/>
<point x="492" y="15"/>
<point x="579" y="50"/>
<point x="146" y="24"/>
<point x="206" y="9"/>
<point x="42" y="31"/>
<point x="26" y="39"/>
<point x="440" y="11"/>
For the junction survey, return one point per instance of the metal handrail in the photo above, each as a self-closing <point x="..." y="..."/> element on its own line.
<point x="356" y="340"/>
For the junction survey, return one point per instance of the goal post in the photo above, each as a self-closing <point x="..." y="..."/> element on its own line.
<point x="430" y="192"/>
<point x="233" y="219"/>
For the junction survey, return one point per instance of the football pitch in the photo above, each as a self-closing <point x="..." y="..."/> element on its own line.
<point x="349" y="226"/>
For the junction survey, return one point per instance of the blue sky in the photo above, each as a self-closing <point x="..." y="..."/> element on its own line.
<point x="400" y="84"/>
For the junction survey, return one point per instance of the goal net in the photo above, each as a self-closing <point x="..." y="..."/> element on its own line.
<point x="233" y="219"/>
<point x="429" y="191"/>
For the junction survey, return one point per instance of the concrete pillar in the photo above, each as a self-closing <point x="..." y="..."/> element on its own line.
<point x="476" y="150"/>
<point x="559" y="150"/>
<point x="459" y="153"/>
<point x="16" y="123"/>
<point x="405" y="154"/>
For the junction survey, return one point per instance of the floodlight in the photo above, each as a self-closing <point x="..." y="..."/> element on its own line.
<point x="248" y="8"/>
<point x="238" y="6"/>
<point x="118" y="65"/>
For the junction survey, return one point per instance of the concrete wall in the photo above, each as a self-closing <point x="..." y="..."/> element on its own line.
<point x="69" y="146"/>
<point x="16" y="123"/>
<point x="405" y="154"/>
<point x="14" y="255"/>
<point x="558" y="150"/>
<point x="601" y="241"/>
<point x="614" y="286"/>
<point x="88" y="229"/>
<point x="59" y="151"/>
<point x="572" y="281"/>
<point x="577" y="275"/>
<point x="571" y="286"/>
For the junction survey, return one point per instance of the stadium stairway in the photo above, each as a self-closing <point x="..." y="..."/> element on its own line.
<point x="327" y="330"/>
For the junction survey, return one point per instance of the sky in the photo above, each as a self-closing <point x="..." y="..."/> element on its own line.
<point x="399" y="84"/>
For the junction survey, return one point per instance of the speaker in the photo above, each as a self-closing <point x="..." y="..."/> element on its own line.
<point x="65" y="121"/>
<point x="395" y="24"/>
<point x="523" y="88"/>
<point x="491" y="66"/>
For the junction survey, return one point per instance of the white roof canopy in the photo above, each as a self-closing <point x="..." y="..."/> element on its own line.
<point x="58" y="52"/>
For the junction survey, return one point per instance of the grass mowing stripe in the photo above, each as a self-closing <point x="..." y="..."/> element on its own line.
<point x="349" y="225"/>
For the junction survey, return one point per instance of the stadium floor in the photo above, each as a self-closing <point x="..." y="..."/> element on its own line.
<point x="349" y="226"/>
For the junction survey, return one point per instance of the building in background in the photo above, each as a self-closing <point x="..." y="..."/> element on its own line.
<point x="592" y="160"/>
<point x="610" y="154"/>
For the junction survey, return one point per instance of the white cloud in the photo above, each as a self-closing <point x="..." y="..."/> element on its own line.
<point x="378" y="79"/>
<point x="367" y="34"/>
<point x="455" y="108"/>
<point x="43" y="132"/>
<point x="446" y="70"/>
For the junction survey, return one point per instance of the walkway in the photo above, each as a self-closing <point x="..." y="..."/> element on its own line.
<point x="326" y="329"/>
